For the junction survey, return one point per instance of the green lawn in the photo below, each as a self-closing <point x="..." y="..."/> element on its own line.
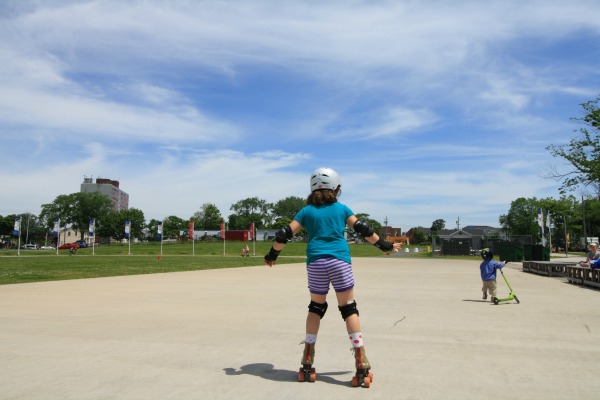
<point x="116" y="260"/>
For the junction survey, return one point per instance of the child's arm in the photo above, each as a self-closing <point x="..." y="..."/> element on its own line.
<point x="281" y="238"/>
<point x="365" y="231"/>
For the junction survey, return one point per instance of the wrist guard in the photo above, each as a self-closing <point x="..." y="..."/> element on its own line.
<point x="272" y="255"/>
<point x="383" y="245"/>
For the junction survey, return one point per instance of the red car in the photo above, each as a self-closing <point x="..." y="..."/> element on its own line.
<point x="67" y="246"/>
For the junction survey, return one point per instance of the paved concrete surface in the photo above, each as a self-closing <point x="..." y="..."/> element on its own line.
<point x="235" y="334"/>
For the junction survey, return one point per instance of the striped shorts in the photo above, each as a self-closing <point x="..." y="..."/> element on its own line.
<point x="328" y="270"/>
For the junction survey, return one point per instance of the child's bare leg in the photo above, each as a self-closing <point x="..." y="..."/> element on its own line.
<point x="317" y="309"/>
<point x="353" y="327"/>
<point x="352" y="322"/>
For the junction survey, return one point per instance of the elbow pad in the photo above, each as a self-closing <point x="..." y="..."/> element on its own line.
<point x="363" y="229"/>
<point x="283" y="235"/>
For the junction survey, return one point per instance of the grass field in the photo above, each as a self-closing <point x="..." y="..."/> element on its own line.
<point x="116" y="260"/>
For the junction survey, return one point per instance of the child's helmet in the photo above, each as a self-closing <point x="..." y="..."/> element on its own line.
<point x="487" y="254"/>
<point x="324" y="178"/>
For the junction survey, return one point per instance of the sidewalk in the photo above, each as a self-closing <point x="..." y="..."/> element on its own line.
<point x="235" y="334"/>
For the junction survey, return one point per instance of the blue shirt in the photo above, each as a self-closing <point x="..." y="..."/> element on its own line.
<point x="325" y="225"/>
<point x="488" y="269"/>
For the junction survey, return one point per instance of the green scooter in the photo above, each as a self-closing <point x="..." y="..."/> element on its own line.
<point x="511" y="296"/>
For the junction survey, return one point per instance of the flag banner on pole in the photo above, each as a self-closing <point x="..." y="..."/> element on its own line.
<point x="541" y="224"/>
<point x="127" y="229"/>
<point x="56" y="229"/>
<point x="191" y="230"/>
<point x="159" y="229"/>
<point x="222" y="233"/>
<point x="92" y="228"/>
<point x="17" y="225"/>
<point x="548" y="222"/>
<point x="251" y="235"/>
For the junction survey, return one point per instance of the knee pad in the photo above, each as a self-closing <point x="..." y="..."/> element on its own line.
<point x="317" y="308"/>
<point x="348" y="310"/>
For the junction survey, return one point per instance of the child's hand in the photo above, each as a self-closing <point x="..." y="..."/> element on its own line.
<point x="269" y="262"/>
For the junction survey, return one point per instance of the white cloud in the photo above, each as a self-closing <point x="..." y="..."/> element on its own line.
<point x="428" y="109"/>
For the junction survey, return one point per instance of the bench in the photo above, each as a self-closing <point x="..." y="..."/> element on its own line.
<point x="583" y="275"/>
<point x="546" y="268"/>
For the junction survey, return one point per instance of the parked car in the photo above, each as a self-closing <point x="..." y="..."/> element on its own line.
<point x="47" y="248"/>
<point x="67" y="246"/>
<point x="30" y="246"/>
<point x="82" y="244"/>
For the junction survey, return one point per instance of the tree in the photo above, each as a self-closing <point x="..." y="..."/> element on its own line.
<point x="208" y="217"/>
<point x="76" y="209"/>
<point x="566" y="217"/>
<point x="152" y="229"/>
<point x="113" y="225"/>
<point x="438" y="225"/>
<point x="522" y="218"/>
<point x="7" y="225"/>
<point x="88" y="206"/>
<point x="287" y="208"/>
<point x="60" y="208"/>
<point x="32" y="231"/>
<point x="172" y="227"/>
<point x="420" y="236"/>
<point x="583" y="153"/>
<point x="250" y="210"/>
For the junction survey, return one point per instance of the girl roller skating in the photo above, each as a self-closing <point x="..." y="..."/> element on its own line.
<point x="329" y="263"/>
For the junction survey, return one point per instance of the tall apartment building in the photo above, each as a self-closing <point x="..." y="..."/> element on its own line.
<point x="110" y="189"/>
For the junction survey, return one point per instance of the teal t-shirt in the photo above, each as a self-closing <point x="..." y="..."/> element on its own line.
<point x="325" y="225"/>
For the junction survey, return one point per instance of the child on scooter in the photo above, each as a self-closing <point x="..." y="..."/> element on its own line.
<point x="488" y="273"/>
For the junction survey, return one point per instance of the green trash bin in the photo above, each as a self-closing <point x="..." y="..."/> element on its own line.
<point x="518" y="253"/>
<point x="510" y="252"/>
<point x="545" y="254"/>
<point x="527" y="252"/>
<point x="540" y="253"/>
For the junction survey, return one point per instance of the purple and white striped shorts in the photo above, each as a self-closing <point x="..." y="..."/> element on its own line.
<point x="328" y="270"/>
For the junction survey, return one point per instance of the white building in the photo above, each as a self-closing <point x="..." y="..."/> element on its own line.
<point x="110" y="189"/>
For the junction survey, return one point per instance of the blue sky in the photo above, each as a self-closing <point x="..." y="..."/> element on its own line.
<point x="427" y="109"/>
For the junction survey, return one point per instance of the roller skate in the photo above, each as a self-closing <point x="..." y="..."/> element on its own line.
<point x="363" y="376"/>
<point x="307" y="373"/>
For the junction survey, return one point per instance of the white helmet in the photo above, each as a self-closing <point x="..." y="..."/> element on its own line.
<point x="324" y="178"/>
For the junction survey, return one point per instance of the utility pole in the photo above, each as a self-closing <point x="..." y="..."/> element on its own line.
<point x="385" y="221"/>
